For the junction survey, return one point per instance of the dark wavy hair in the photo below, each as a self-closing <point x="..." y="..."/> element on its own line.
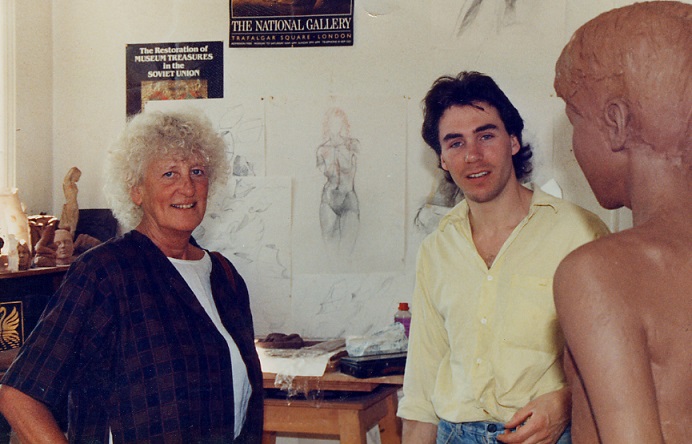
<point x="467" y="89"/>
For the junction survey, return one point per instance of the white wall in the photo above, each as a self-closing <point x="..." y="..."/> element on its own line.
<point x="71" y="82"/>
<point x="399" y="52"/>
<point x="34" y="89"/>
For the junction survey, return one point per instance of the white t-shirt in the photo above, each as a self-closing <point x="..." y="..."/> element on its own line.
<point x="197" y="276"/>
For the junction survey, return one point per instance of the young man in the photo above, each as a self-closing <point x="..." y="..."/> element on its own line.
<point x="485" y="348"/>
<point x="624" y="301"/>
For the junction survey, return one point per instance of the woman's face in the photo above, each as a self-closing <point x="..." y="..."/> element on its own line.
<point x="172" y="195"/>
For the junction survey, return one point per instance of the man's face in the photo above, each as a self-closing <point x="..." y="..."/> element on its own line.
<point x="592" y="151"/>
<point x="477" y="150"/>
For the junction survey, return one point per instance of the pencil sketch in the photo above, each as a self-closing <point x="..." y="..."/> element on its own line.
<point x="336" y="159"/>
<point x="236" y="128"/>
<point x="445" y="196"/>
<point x="249" y="222"/>
<point x="471" y="8"/>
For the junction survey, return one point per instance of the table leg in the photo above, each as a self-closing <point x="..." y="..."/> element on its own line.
<point x="351" y="428"/>
<point x="390" y="433"/>
<point x="268" y="437"/>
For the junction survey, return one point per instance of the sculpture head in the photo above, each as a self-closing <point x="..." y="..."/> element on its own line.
<point x="24" y="255"/>
<point x="64" y="246"/>
<point x="622" y="79"/>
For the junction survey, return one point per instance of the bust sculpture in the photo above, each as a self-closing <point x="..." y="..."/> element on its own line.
<point x="64" y="247"/>
<point x="623" y="301"/>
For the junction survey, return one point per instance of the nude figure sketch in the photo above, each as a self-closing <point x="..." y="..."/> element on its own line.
<point x="470" y="9"/>
<point x="236" y="128"/>
<point x="336" y="159"/>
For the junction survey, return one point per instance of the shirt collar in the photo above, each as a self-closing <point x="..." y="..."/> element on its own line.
<point x="539" y="199"/>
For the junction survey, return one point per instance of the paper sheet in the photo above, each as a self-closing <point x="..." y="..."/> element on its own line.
<point x="306" y="361"/>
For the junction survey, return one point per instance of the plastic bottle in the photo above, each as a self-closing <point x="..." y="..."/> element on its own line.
<point x="403" y="316"/>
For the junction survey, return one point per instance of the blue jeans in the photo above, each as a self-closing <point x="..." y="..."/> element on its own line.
<point x="479" y="433"/>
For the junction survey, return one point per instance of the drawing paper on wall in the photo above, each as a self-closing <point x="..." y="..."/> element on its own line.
<point x="348" y="164"/>
<point x="340" y="305"/>
<point x="250" y="223"/>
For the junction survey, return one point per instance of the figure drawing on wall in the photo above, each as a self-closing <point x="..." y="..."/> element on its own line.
<point x="236" y="128"/>
<point x="339" y="207"/>
<point x="446" y="195"/>
<point x="470" y="9"/>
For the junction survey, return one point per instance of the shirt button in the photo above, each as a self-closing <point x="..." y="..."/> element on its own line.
<point x="490" y="278"/>
<point x="484" y="321"/>
<point x="478" y="361"/>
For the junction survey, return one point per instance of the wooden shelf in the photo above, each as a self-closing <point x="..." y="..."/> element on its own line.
<point x="33" y="272"/>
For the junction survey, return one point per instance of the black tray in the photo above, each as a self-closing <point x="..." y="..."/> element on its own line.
<point x="374" y="365"/>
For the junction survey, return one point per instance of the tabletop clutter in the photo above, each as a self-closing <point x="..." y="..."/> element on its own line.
<point x="289" y="355"/>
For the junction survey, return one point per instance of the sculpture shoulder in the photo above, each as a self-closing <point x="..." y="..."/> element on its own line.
<point x="636" y="271"/>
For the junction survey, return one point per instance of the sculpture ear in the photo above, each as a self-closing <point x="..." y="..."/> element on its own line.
<point x="617" y="120"/>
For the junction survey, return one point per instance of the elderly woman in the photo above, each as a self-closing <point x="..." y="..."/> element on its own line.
<point x="150" y="337"/>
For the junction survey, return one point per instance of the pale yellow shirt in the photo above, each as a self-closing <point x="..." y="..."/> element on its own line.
<point x="484" y="342"/>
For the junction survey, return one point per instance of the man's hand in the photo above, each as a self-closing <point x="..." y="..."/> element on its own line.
<point x="541" y="421"/>
<point x="415" y="432"/>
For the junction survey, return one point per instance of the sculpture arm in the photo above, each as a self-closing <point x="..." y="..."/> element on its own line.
<point x="608" y="344"/>
<point x="583" y="423"/>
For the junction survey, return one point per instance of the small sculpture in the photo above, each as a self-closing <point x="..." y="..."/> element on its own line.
<point x="45" y="249"/>
<point x="24" y="254"/>
<point x="70" y="210"/>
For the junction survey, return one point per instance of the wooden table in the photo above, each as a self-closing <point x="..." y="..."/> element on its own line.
<point x="324" y="410"/>
<point x="335" y="381"/>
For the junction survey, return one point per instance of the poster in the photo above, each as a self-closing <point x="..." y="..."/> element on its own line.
<point x="291" y="23"/>
<point x="173" y="71"/>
